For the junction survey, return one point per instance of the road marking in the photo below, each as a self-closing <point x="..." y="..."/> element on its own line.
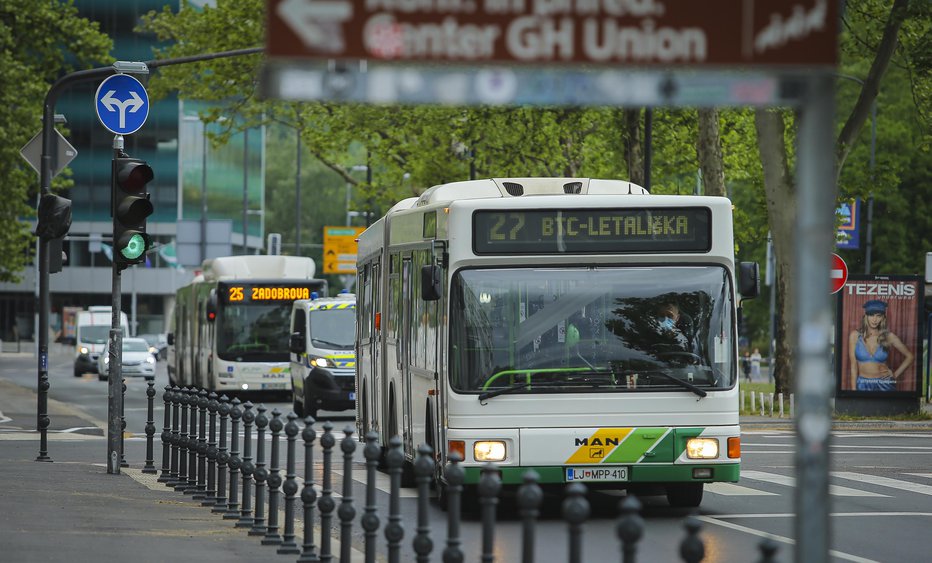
<point x="4" y="418"/>
<point x="788" y="481"/>
<point x="732" y="490"/>
<point x="884" y="482"/>
<point x="929" y="475"/>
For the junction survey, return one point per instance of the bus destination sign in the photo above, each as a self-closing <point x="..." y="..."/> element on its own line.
<point x="593" y="231"/>
<point x="262" y="293"/>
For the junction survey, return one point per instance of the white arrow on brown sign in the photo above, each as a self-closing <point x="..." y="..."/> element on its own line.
<point x="318" y="22"/>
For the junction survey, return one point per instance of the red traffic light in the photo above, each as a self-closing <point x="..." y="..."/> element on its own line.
<point x="133" y="176"/>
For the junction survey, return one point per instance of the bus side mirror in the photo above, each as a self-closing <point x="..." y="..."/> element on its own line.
<point x="748" y="280"/>
<point x="170" y="338"/>
<point x="296" y="343"/>
<point x="430" y="282"/>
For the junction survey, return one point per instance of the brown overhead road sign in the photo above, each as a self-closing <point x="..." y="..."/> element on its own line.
<point x="529" y="32"/>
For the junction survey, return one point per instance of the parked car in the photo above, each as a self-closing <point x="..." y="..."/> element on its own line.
<point x="158" y="344"/>
<point x="138" y="361"/>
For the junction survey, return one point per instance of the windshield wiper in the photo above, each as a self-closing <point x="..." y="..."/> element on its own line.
<point x="327" y="343"/>
<point x="567" y="383"/>
<point x="685" y="384"/>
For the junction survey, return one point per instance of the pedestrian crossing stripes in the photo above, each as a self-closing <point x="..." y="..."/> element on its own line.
<point x="884" y="482"/>
<point x="788" y="481"/>
<point x="751" y="479"/>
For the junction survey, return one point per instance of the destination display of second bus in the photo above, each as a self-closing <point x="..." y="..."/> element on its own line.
<point x="239" y="293"/>
<point x="606" y="231"/>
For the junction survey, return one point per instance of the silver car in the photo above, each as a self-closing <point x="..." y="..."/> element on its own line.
<point x="138" y="361"/>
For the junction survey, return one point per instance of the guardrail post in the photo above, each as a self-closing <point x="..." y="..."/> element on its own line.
<point x="691" y="548"/>
<point x="370" y="519"/>
<point x="175" y="398"/>
<point x="166" y="436"/>
<point x="202" y="402"/>
<point x="489" y="486"/>
<point x="530" y="497"/>
<point x="394" y="531"/>
<point x="274" y="481"/>
<point x="210" y="494"/>
<point x="630" y="527"/>
<point x="232" y="509"/>
<point x="326" y="502"/>
<point x="223" y="457"/>
<point x="308" y="494"/>
<point x="245" y="513"/>
<point x="454" y="475"/>
<point x="290" y="487"/>
<point x="183" y="443"/>
<point x="575" y="512"/>
<point x="149" y="467"/>
<point x="260" y="474"/>
<point x="423" y="473"/>
<point x="347" y="511"/>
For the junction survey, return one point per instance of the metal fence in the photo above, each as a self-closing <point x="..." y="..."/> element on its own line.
<point x="202" y="458"/>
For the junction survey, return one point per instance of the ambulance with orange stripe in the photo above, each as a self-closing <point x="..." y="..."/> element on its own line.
<point x="582" y="328"/>
<point x="323" y="359"/>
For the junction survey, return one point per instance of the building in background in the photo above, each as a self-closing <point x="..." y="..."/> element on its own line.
<point x="177" y="192"/>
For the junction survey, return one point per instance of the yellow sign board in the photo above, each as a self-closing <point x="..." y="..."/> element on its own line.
<point x="340" y="249"/>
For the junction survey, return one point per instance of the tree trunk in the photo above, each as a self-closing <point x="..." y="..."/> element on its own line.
<point x="634" y="150"/>
<point x="709" y="152"/>
<point x="780" y="192"/>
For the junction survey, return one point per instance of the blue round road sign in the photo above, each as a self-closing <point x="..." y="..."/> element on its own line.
<point x="122" y="104"/>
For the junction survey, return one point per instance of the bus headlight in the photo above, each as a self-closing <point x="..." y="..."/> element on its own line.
<point x="490" y="450"/>
<point x="702" y="448"/>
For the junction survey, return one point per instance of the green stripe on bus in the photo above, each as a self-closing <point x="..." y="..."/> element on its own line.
<point x="633" y="448"/>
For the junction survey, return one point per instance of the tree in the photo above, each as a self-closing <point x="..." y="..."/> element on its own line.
<point x="39" y="42"/>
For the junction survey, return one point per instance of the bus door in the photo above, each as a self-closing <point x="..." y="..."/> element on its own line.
<point x="407" y="291"/>
<point x="374" y="375"/>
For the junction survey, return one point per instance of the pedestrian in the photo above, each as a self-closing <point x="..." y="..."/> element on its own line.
<point x="746" y="365"/>
<point x="755" y="363"/>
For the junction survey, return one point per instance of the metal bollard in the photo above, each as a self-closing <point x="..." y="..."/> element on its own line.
<point x="370" y="519"/>
<point x="290" y="487"/>
<point x="489" y="486"/>
<point x="182" y="482"/>
<point x="762" y="403"/>
<point x="326" y="502"/>
<point x="575" y="511"/>
<point x="246" y="468"/>
<point x="260" y="474"/>
<point x="753" y="400"/>
<point x="274" y="481"/>
<point x="530" y="497"/>
<point x="223" y="457"/>
<point x="202" y="402"/>
<point x="210" y="493"/>
<point x="175" y="436"/>
<point x="394" y="530"/>
<point x="792" y="405"/>
<point x="630" y="527"/>
<point x="780" y="398"/>
<point x="424" y="467"/>
<point x="771" y="405"/>
<point x="691" y="548"/>
<point x="347" y="512"/>
<point x="149" y="467"/>
<point x="236" y="413"/>
<point x="192" y="442"/>
<point x="123" y="426"/>
<point x="308" y="494"/>
<point x="454" y="475"/>
<point x="166" y="435"/>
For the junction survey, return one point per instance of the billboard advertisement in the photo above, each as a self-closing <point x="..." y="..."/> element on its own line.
<point x="878" y="336"/>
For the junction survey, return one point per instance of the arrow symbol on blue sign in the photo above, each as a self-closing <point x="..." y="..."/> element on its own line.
<point x="134" y="103"/>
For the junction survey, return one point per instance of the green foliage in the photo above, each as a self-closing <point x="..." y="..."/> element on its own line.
<point x="39" y="42"/>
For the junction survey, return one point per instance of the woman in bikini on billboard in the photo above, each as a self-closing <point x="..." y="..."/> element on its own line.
<point x="868" y="351"/>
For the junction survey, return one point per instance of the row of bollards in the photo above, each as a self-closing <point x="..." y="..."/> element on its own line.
<point x="201" y="457"/>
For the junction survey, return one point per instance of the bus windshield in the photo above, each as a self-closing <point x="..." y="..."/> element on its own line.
<point x="592" y="329"/>
<point x="253" y="332"/>
<point x="333" y="328"/>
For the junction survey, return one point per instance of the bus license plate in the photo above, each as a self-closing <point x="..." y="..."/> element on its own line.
<point x="596" y="474"/>
<point x="274" y="385"/>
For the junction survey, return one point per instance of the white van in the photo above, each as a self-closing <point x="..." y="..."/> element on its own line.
<point x="92" y="331"/>
<point x="323" y="354"/>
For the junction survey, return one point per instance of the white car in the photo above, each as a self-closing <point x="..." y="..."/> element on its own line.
<point x="137" y="360"/>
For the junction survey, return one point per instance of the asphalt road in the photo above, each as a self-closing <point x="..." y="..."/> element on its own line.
<point x="881" y="494"/>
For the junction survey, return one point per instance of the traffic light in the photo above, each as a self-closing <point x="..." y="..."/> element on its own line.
<point x="131" y="206"/>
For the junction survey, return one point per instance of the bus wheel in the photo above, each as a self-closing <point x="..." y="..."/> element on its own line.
<point x="684" y="495"/>
<point x="310" y="405"/>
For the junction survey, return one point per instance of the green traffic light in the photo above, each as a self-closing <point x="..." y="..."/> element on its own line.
<point x="134" y="248"/>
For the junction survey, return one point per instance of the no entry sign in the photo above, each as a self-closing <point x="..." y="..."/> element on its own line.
<point x="839" y="273"/>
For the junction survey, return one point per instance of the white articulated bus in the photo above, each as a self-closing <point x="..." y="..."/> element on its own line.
<point x="582" y="328"/>
<point x="231" y="325"/>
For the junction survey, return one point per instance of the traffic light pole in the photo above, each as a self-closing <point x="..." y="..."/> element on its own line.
<point x="45" y="187"/>
<point x="115" y="353"/>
